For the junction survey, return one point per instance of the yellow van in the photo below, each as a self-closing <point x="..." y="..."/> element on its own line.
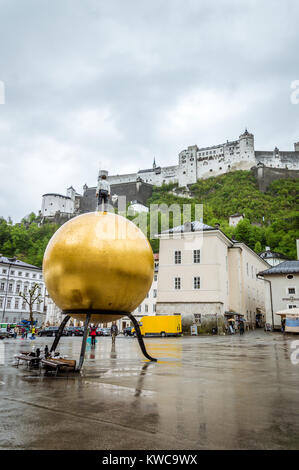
<point x="160" y="325"/>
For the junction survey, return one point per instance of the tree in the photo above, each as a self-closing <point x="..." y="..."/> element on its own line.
<point x="258" y="247"/>
<point x="31" y="297"/>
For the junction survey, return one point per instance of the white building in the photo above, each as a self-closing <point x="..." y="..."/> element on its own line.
<point x="18" y="277"/>
<point x="283" y="289"/>
<point x="53" y="202"/>
<point x="235" y="219"/>
<point x="204" y="275"/>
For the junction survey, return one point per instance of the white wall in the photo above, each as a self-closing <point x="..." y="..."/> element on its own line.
<point x="55" y="202"/>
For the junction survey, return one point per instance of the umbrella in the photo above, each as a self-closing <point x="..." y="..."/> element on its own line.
<point x="289" y="311"/>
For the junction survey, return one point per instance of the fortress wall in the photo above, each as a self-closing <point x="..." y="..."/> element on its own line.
<point x="132" y="191"/>
<point x="266" y="175"/>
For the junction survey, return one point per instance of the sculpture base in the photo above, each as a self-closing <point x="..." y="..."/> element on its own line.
<point x="97" y="316"/>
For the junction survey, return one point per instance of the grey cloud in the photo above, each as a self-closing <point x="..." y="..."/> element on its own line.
<point x="97" y="82"/>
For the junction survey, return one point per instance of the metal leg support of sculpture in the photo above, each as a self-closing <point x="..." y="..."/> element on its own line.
<point x="84" y="341"/>
<point x="59" y="333"/>
<point x="139" y="337"/>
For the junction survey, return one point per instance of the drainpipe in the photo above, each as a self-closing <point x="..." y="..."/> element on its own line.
<point x="268" y="280"/>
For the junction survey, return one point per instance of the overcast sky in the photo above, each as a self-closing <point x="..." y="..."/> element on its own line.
<point x="92" y="83"/>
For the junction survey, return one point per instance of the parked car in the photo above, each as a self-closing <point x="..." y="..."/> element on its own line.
<point x="49" y="331"/>
<point x="71" y="330"/>
<point x="6" y="334"/>
<point x="78" y="331"/>
<point x="105" y="331"/>
<point x="128" y="331"/>
<point x="99" y="332"/>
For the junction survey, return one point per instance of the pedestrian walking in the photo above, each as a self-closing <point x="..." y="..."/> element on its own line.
<point x="33" y="332"/>
<point x="114" y="332"/>
<point x="242" y="329"/>
<point x="103" y="192"/>
<point x="93" y="334"/>
<point x="15" y="332"/>
<point x="23" y="332"/>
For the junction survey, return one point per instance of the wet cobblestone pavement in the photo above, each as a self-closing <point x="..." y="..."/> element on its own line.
<point x="203" y="393"/>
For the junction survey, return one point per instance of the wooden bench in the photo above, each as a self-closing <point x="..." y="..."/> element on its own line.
<point x="56" y="365"/>
<point x="31" y="360"/>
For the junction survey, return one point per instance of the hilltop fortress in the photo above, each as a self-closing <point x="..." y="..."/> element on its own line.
<point x="194" y="164"/>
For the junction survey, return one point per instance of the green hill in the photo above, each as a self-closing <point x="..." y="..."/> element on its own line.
<point x="271" y="218"/>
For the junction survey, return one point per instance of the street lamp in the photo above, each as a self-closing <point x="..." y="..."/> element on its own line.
<point x="11" y="262"/>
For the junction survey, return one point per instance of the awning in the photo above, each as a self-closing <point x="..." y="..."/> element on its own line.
<point x="230" y="314"/>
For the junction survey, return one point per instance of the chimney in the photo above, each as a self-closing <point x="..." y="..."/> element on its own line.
<point x="217" y="225"/>
<point x="187" y="227"/>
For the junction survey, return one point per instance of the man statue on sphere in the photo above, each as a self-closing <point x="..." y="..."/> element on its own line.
<point x="103" y="191"/>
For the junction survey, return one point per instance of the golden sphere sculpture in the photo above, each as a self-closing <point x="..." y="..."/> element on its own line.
<point x="98" y="263"/>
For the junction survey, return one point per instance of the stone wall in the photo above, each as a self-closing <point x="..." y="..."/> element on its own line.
<point x="265" y="175"/>
<point x="134" y="191"/>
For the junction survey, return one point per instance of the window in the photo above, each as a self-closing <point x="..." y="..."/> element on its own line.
<point x="252" y="272"/>
<point x="16" y="304"/>
<point x="247" y="269"/>
<point x="196" y="282"/>
<point x="12" y="272"/>
<point x="25" y="289"/>
<point x="2" y="286"/>
<point x="1" y="302"/>
<point x="34" y="276"/>
<point x="155" y="293"/>
<point x="40" y="276"/>
<point x="290" y="276"/>
<point x="9" y="287"/>
<point x="18" y="288"/>
<point x="177" y="283"/>
<point x="9" y="303"/>
<point x="20" y="273"/>
<point x="155" y="277"/>
<point x="292" y="306"/>
<point x="146" y="308"/>
<point x="177" y="257"/>
<point x="24" y="305"/>
<point x="291" y="290"/>
<point x="197" y="318"/>
<point x="27" y="274"/>
<point x="4" y="271"/>
<point x="154" y="308"/>
<point x="196" y="256"/>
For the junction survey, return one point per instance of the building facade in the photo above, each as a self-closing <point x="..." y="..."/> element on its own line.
<point x="18" y="277"/>
<point x="148" y="306"/>
<point x="283" y="288"/>
<point x="203" y="275"/>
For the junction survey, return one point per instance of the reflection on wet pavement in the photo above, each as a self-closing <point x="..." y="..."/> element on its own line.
<point x="204" y="393"/>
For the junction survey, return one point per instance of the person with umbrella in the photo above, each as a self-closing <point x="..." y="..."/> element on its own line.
<point x="242" y="329"/>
